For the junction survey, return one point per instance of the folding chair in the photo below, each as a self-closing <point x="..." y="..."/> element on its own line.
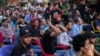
<point x="13" y="37"/>
<point x="62" y="47"/>
<point x="1" y="39"/>
<point x="34" y="42"/>
<point x="92" y="23"/>
<point x="6" y="50"/>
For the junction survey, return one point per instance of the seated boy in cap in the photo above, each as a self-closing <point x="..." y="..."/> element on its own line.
<point x="23" y="48"/>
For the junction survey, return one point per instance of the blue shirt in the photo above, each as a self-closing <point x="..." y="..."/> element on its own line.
<point x="28" y="18"/>
<point x="76" y="29"/>
<point x="71" y="52"/>
<point x="44" y="27"/>
<point x="12" y="24"/>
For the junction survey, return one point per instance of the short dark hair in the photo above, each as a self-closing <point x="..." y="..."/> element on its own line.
<point x="77" y="19"/>
<point x="78" y="42"/>
<point x="67" y="22"/>
<point x="21" y="17"/>
<point x="4" y="20"/>
<point x="49" y="4"/>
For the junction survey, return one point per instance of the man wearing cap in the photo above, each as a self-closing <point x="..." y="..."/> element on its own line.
<point x="92" y="38"/>
<point x="23" y="48"/>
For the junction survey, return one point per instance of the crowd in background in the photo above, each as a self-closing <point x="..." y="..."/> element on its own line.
<point x="59" y="23"/>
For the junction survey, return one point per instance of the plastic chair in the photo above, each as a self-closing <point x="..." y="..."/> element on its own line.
<point x="6" y="50"/>
<point x="34" y="42"/>
<point x="92" y="23"/>
<point x="1" y="38"/>
<point x="62" y="47"/>
<point x="13" y="37"/>
<point x="44" y="54"/>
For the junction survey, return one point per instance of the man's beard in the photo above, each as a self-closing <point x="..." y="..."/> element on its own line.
<point x="69" y="29"/>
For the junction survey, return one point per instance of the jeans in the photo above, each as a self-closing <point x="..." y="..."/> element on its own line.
<point x="35" y="55"/>
<point x="60" y="52"/>
<point x="37" y="50"/>
<point x="16" y="38"/>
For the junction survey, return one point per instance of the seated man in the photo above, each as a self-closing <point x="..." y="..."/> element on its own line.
<point x="80" y="46"/>
<point x="23" y="48"/>
<point x="35" y="29"/>
<point x="21" y="23"/>
<point x="48" y="40"/>
<point x="77" y="27"/>
<point x="10" y="22"/>
<point x="64" y="38"/>
<point x="6" y="30"/>
<point x="92" y="38"/>
<point x="28" y="17"/>
<point x="44" y="26"/>
<point x="97" y="22"/>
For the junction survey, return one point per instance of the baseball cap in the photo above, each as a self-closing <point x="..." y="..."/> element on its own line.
<point x="25" y="32"/>
<point x="34" y="19"/>
<point x="90" y="34"/>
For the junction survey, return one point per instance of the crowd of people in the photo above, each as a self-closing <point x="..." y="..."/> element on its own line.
<point x="52" y="24"/>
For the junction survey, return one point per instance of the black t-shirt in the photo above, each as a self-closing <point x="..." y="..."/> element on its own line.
<point x="20" y="50"/>
<point x="35" y="32"/>
<point x="81" y="8"/>
<point x="48" y="43"/>
<point x="22" y="25"/>
<point x="47" y="11"/>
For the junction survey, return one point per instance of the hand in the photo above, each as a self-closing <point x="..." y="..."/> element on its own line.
<point x="42" y="32"/>
<point x="31" y="52"/>
<point x="71" y="46"/>
<point x="49" y="21"/>
<point x="59" y="26"/>
<point x="35" y="38"/>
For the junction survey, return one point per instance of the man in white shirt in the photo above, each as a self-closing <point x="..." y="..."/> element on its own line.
<point x="64" y="38"/>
